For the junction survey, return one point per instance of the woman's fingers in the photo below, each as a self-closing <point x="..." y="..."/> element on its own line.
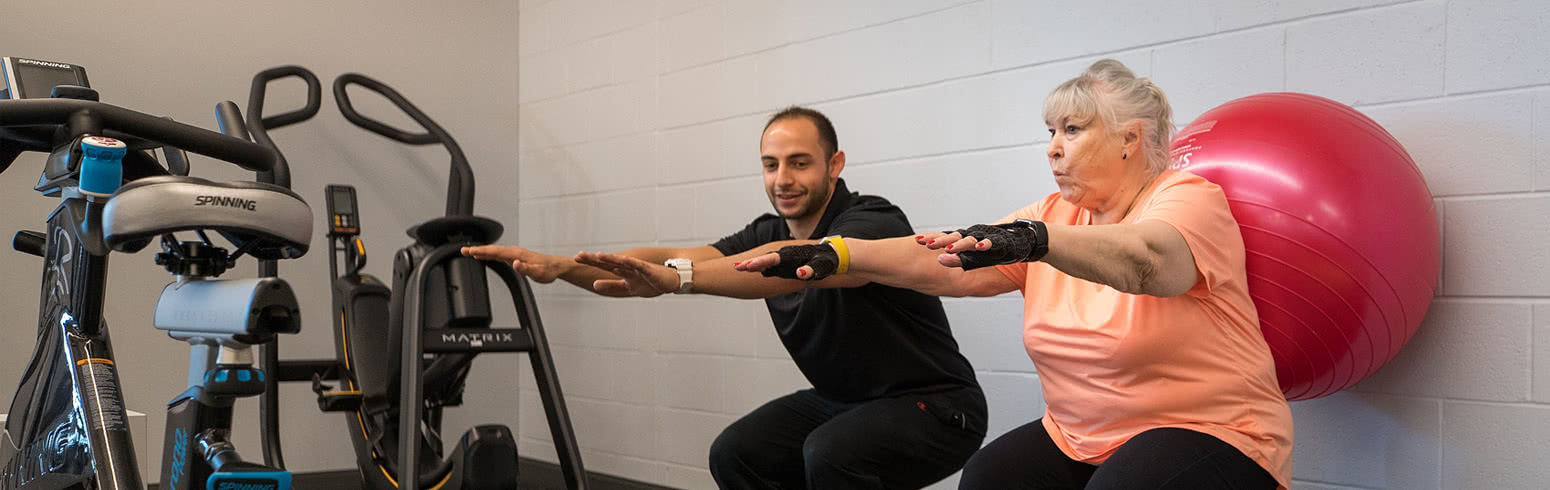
<point x="941" y="240"/>
<point x="805" y="272"/>
<point x="965" y="244"/>
<point x="759" y="263"/>
<point x="928" y="237"/>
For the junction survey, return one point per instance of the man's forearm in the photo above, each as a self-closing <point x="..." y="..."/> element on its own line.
<point x="897" y="262"/>
<point x="717" y="277"/>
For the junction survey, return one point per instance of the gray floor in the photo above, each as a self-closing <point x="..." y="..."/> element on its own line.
<point x="535" y="475"/>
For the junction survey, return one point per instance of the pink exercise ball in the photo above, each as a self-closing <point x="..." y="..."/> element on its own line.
<point x="1342" y="239"/>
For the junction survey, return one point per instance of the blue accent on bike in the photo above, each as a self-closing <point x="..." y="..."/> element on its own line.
<point x="222" y="375"/>
<point x="244" y="375"/>
<point x="179" y="455"/>
<point x="260" y="374"/>
<point x="258" y="480"/>
<point x="102" y="167"/>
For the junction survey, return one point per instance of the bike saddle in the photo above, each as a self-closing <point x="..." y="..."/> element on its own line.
<point x="266" y="220"/>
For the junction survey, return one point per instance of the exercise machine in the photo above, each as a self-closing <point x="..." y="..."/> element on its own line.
<point x="405" y="351"/>
<point x="67" y="427"/>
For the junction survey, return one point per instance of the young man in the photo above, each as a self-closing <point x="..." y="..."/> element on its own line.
<point x="893" y="403"/>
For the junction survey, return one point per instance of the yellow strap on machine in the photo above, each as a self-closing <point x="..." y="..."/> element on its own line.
<point x="838" y="244"/>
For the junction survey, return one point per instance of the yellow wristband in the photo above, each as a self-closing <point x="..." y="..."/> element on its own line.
<point x="838" y="244"/>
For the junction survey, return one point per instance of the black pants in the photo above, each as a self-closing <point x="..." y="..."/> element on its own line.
<point x="804" y="440"/>
<point x="1026" y="458"/>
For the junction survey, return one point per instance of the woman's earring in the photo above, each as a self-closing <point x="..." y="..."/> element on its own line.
<point x="1123" y="156"/>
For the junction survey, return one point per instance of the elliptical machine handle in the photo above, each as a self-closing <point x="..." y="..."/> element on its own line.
<point x="460" y="184"/>
<point x="433" y="132"/>
<point x="260" y="125"/>
<point x="260" y="84"/>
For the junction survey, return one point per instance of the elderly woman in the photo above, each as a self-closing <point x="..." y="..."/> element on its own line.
<point x="1136" y="313"/>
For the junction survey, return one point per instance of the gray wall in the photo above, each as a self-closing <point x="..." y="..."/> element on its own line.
<point x="455" y="60"/>
<point x="640" y="122"/>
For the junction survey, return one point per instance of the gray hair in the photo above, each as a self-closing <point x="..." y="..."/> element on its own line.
<point x="1110" y="90"/>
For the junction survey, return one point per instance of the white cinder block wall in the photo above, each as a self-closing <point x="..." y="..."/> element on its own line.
<point x="640" y="122"/>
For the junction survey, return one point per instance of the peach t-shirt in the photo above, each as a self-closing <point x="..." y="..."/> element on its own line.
<point x="1114" y="364"/>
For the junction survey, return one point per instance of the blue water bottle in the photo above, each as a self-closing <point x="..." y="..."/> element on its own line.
<point x="102" y="165"/>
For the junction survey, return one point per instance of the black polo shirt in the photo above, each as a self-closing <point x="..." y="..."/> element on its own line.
<point x="867" y="342"/>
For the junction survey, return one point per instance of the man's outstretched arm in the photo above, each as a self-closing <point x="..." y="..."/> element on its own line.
<point x="632" y="276"/>
<point x="545" y="268"/>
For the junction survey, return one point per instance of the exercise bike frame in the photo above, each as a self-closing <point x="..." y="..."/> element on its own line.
<point x="73" y="427"/>
<point x="87" y="431"/>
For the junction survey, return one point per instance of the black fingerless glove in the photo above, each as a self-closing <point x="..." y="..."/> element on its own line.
<point x="823" y="259"/>
<point x="1019" y="241"/>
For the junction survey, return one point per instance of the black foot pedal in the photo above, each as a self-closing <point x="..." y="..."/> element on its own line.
<point x="489" y="458"/>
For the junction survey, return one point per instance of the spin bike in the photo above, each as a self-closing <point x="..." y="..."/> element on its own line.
<point x="404" y="353"/>
<point x="67" y="425"/>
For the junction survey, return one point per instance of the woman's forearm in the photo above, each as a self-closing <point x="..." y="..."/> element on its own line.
<point x="902" y="263"/>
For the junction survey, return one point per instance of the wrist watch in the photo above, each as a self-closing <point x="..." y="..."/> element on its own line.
<point x="685" y="274"/>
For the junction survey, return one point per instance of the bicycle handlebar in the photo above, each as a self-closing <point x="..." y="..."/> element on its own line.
<point x="229" y="120"/>
<point x="88" y="117"/>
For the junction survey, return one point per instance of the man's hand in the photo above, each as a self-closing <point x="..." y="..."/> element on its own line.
<point x="539" y="267"/>
<point x="637" y="277"/>
<point x="805" y="262"/>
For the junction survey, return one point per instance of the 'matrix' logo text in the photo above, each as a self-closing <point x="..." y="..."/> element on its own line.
<point x="230" y="202"/>
<point x="477" y="339"/>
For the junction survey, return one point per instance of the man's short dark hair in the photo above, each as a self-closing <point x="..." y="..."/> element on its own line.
<point x="826" y="136"/>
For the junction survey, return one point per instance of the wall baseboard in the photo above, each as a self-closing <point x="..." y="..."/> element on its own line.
<point x="535" y="475"/>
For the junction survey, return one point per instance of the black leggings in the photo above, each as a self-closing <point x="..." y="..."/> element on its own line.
<point x="1168" y="458"/>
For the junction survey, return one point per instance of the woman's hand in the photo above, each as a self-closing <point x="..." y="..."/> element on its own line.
<point x="951" y="244"/>
<point x="986" y="245"/>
